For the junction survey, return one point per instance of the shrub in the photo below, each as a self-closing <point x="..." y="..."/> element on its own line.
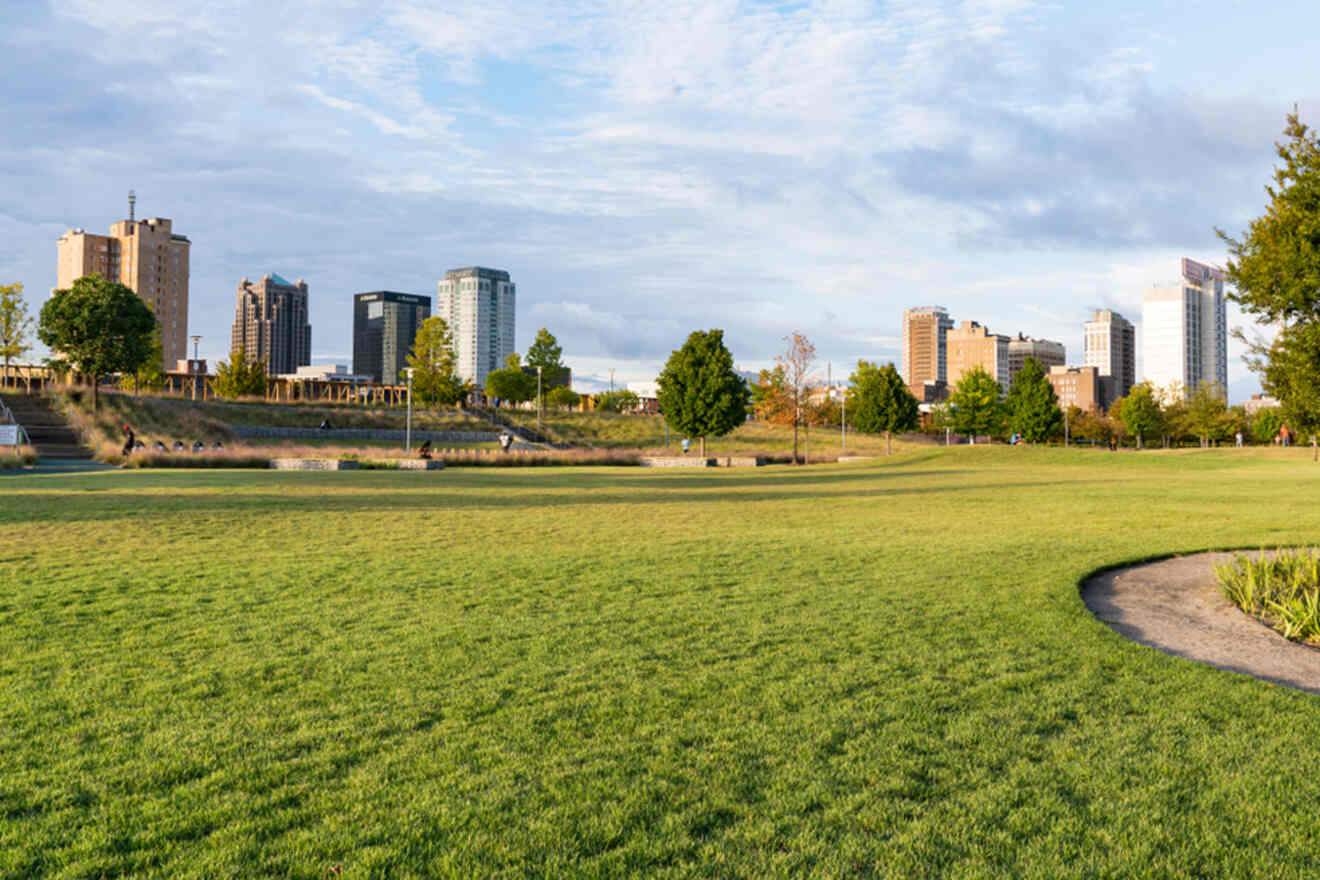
<point x="1283" y="591"/>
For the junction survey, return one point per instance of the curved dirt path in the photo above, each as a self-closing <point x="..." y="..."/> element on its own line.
<point x="1175" y="606"/>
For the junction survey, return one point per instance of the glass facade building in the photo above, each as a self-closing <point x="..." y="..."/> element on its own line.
<point x="385" y="325"/>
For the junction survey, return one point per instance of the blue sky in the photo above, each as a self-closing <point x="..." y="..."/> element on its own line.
<point x="645" y="169"/>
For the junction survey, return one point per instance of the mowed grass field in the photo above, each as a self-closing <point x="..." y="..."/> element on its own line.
<point x="879" y="669"/>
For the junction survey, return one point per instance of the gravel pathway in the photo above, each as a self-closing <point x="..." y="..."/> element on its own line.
<point x="1175" y="606"/>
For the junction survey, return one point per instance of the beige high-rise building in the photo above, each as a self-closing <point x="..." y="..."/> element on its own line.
<point x="1048" y="352"/>
<point x="1111" y="347"/>
<point x="270" y="324"/>
<point x="971" y="345"/>
<point x="145" y="256"/>
<point x="925" y="349"/>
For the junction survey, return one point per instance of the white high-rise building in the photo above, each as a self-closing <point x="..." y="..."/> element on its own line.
<point x="1184" y="329"/>
<point x="478" y="305"/>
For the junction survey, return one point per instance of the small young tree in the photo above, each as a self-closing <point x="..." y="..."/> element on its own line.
<point x="618" y="401"/>
<point x="1140" y="413"/>
<point x="700" y="394"/>
<point x="1032" y="406"/>
<point x="435" y="379"/>
<point x="976" y="405"/>
<point x="798" y="380"/>
<point x="1206" y="412"/>
<point x="1265" y="426"/>
<point x="100" y="327"/>
<point x="150" y="376"/>
<point x="15" y="324"/>
<point x="880" y="402"/>
<point x="511" y="383"/>
<point x="545" y="352"/>
<point x="239" y="377"/>
<point x="562" y="397"/>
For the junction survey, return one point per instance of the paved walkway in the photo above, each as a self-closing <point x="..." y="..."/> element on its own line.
<point x="1175" y="605"/>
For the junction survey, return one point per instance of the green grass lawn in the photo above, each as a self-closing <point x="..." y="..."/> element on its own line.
<point x="879" y="669"/>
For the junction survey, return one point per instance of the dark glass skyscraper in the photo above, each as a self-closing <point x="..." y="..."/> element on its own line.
<point x="385" y="325"/>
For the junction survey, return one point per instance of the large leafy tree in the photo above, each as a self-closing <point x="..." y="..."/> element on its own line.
<point x="15" y="324"/>
<point x="435" y="378"/>
<point x="880" y="402"/>
<point x="546" y="353"/>
<point x="700" y="394"/>
<point x="977" y="407"/>
<point x="1265" y="426"/>
<point x="1032" y="406"/>
<point x="239" y="377"/>
<point x="1141" y="414"/>
<point x="1275" y="270"/>
<point x="99" y="327"/>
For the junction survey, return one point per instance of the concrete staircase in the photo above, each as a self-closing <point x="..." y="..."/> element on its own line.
<point x="45" y="427"/>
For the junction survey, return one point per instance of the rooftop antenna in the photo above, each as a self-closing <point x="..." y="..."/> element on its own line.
<point x="132" y="206"/>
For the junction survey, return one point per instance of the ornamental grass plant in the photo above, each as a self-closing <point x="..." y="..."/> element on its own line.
<point x="1282" y="590"/>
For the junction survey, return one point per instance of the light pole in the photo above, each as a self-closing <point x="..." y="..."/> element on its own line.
<point x="407" y="434"/>
<point x="196" y="340"/>
<point x="538" y="399"/>
<point x="611" y="380"/>
<point x="843" y="417"/>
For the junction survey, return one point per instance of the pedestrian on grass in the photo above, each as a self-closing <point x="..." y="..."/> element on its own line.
<point x="1238" y="438"/>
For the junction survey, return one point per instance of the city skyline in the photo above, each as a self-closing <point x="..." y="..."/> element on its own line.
<point x="646" y="173"/>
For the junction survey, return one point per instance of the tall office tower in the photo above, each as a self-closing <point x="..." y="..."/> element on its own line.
<point x="1184" y="330"/>
<point x="385" y="326"/>
<point x="971" y="345"/>
<point x="1049" y="353"/>
<point x="925" y="348"/>
<point x="1111" y="347"/>
<point x="270" y="324"/>
<point x="478" y="306"/>
<point x="145" y="256"/>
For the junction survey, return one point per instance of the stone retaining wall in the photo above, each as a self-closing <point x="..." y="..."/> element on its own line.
<point x="665" y="461"/>
<point x="313" y="464"/>
<point x="384" y="434"/>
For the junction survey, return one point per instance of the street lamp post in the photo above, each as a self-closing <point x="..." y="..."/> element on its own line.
<point x="196" y="340"/>
<point x="538" y="399"/>
<point x="407" y="434"/>
<point x="843" y="417"/>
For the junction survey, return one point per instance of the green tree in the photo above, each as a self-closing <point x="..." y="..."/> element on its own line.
<point x="880" y="402"/>
<point x="562" y="397"/>
<point x="1141" y="414"/>
<point x="239" y="377"/>
<point x="511" y="383"/>
<point x="100" y="327"/>
<point x="700" y="394"/>
<point x="15" y="324"/>
<point x="151" y="375"/>
<point x="1207" y="413"/>
<point x="435" y="379"/>
<point x="1275" y="272"/>
<point x="1291" y="373"/>
<point x="618" y="401"/>
<point x="976" y="405"/>
<point x="1032" y="406"/>
<point x="545" y="352"/>
<point x="1265" y="426"/>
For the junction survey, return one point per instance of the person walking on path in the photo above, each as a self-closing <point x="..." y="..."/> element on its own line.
<point x="130" y="442"/>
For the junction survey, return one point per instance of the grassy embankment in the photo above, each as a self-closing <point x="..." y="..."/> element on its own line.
<point x="874" y="670"/>
<point x="647" y="432"/>
<point x="168" y="419"/>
